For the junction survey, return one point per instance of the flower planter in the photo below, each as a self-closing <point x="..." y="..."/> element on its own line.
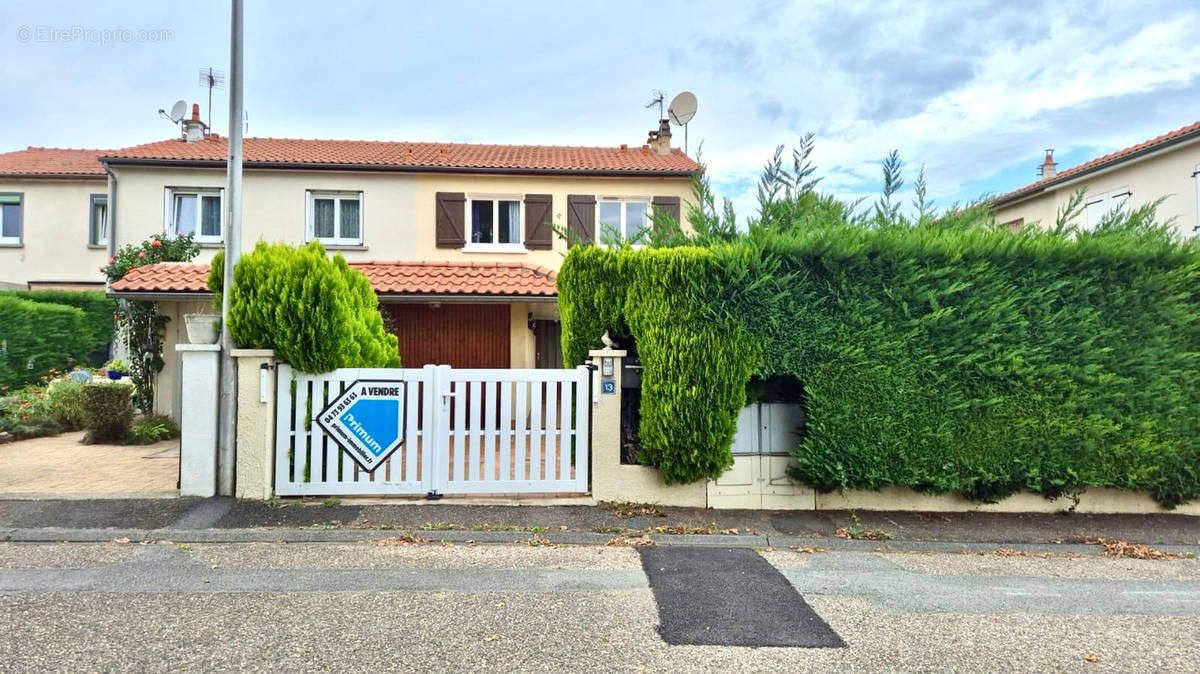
<point x="114" y="375"/>
<point x="202" y="328"/>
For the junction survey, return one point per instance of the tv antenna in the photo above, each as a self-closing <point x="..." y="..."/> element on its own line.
<point x="681" y="111"/>
<point x="213" y="79"/>
<point x="659" y="97"/>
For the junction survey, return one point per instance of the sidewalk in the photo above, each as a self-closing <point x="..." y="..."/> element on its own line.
<point x="223" y="519"/>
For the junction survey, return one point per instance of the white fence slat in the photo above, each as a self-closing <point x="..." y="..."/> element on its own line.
<point x="300" y="455"/>
<point x="459" y="455"/>
<point x="522" y="433"/>
<point x="490" y="446"/>
<point x="317" y="464"/>
<point x="550" y="437"/>
<point x="565" y="438"/>
<point x="535" y="430"/>
<point x="476" y="441"/>
<point x="284" y="438"/>
<point x="412" y="397"/>
<point x="506" y="441"/>
<point x="583" y="431"/>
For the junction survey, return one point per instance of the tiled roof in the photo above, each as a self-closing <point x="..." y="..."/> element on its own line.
<point x="52" y="161"/>
<point x="1116" y="157"/>
<point x="475" y="279"/>
<point x="415" y="156"/>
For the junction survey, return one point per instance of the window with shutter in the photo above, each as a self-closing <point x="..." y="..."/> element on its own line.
<point x="620" y="219"/>
<point x="1098" y="206"/>
<point x="539" y="216"/>
<point x="494" y="223"/>
<point x="449" y="218"/>
<point x="581" y="218"/>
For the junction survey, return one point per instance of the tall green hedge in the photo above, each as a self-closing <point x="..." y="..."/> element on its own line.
<point x="316" y="313"/>
<point x="36" y="337"/>
<point x="97" y="310"/>
<point x="969" y="361"/>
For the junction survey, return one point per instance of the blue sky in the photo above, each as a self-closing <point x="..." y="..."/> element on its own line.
<point x="973" y="90"/>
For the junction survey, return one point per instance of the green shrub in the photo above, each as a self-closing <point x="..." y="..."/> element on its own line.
<point x="97" y="309"/>
<point x="316" y="313"/>
<point x="150" y="429"/>
<point x="65" y="398"/>
<point x="107" y="412"/>
<point x="28" y="413"/>
<point x="38" y="337"/>
<point x="961" y="360"/>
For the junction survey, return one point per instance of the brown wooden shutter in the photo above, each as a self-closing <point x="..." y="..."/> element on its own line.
<point x="539" y="213"/>
<point x="667" y="205"/>
<point x="450" y="217"/>
<point x="581" y="217"/>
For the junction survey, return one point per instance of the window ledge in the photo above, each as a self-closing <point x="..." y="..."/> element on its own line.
<point x="98" y="246"/>
<point x="9" y="244"/>
<point x="494" y="248"/>
<point x="343" y="246"/>
<point x="211" y="244"/>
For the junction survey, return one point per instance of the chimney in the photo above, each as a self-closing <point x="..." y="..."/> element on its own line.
<point x="660" y="140"/>
<point x="193" y="129"/>
<point x="1049" y="168"/>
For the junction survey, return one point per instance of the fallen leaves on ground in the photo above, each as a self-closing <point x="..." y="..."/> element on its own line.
<point x="539" y="542"/>
<point x="402" y="540"/>
<point x="120" y="541"/>
<point x="1092" y="657"/>
<point x="628" y="509"/>
<point x="807" y="549"/>
<point x="623" y="542"/>
<point x="1134" y="550"/>
<point x="856" y="533"/>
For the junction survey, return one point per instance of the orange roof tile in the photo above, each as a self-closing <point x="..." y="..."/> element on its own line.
<point x="1169" y="138"/>
<point x="493" y="279"/>
<point x="413" y="156"/>
<point x="52" y="162"/>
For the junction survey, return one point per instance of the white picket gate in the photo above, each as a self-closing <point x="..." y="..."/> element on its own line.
<point x="465" y="432"/>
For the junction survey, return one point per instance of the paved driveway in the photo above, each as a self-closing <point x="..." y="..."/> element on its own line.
<point x="60" y="467"/>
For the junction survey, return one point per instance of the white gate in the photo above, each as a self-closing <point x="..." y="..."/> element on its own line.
<point x="465" y="432"/>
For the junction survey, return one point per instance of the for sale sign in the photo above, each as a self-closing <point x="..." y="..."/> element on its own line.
<point x="367" y="420"/>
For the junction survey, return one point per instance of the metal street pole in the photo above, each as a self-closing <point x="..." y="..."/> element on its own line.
<point x="227" y="429"/>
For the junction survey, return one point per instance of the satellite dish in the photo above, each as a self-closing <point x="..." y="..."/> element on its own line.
<point x="682" y="108"/>
<point x="180" y="109"/>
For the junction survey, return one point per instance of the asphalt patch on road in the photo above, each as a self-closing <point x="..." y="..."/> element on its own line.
<point x="95" y="514"/>
<point x="729" y="597"/>
<point x="251" y="514"/>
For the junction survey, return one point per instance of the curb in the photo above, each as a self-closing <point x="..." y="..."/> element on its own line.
<point x="265" y="535"/>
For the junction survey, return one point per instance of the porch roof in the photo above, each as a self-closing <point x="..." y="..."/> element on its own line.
<point x="389" y="279"/>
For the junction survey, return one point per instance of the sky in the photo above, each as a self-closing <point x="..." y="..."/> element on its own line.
<point x="973" y="90"/>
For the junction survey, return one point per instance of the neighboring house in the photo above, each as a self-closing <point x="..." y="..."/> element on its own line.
<point x="53" y="219"/>
<point x="1166" y="167"/>
<point x="458" y="240"/>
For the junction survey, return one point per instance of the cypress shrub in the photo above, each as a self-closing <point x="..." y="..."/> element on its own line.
<point x="97" y="310"/>
<point x="960" y="360"/>
<point x="107" y="412"/>
<point x="316" y="313"/>
<point x="37" y="338"/>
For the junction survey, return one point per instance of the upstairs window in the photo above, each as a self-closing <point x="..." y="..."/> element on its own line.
<point x="10" y="219"/>
<point x="1098" y="206"/>
<point x="495" y="223"/>
<point x="622" y="219"/>
<point x="335" y="218"/>
<point x="197" y="212"/>
<point x="98" y="220"/>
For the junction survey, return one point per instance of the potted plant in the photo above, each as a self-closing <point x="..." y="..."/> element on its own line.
<point x="203" y="328"/>
<point x="116" y="369"/>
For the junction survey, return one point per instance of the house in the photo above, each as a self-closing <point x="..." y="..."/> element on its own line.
<point x="53" y="219"/>
<point x="459" y="240"/>
<point x="1166" y="167"/>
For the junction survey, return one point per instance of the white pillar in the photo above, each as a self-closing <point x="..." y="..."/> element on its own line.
<point x="198" y="419"/>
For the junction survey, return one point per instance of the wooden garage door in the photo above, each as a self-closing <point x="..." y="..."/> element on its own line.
<point x="458" y="335"/>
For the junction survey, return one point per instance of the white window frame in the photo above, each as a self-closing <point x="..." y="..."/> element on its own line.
<point x="1108" y="202"/>
<point x="1196" y="179"/>
<point x="169" y="207"/>
<point x="474" y="247"/>
<point x="624" y="227"/>
<point x="19" y="238"/>
<point x="97" y="239"/>
<point x="338" y="196"/>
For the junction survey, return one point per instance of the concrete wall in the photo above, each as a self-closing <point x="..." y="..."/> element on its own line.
<point x="255" y="471"/>
<point x="55" y="222"/>
<point x="1167" y="175"/>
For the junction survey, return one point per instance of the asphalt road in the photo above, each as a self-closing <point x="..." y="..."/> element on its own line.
<point x="429" y="607"/>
